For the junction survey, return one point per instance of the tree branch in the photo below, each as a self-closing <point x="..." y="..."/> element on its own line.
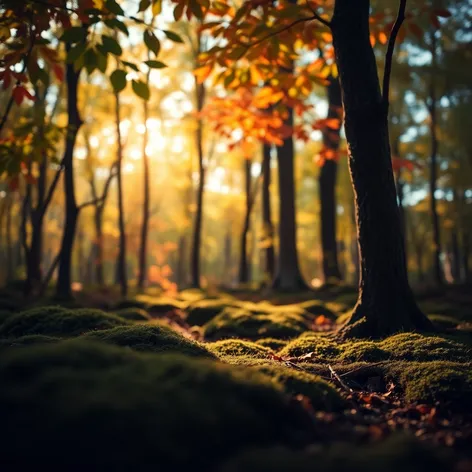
<point x="52" y="187"/>
<point x="390" y="49"/>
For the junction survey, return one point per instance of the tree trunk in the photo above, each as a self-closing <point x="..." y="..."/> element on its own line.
<point x="243" y="256"/>
<point x="438" y="275"/>
<point x="267" y="225"/>
<point x="8" y="222"/>
<point x="466" y="255"/>
<point x="98" y="245"/>
<point x="227" y="275"/>
<point x="288" y="276"/>
<point x="181" y="262"/>
<point x="327" y="186"/>
<point x="63" y="288"/>
<point x="142" y="269"/>
<point x="121" y="262"/>
<point x="197" y="226"/>
<point x="386" y="304"/>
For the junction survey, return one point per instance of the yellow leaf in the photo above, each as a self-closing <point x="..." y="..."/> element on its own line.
<point x="98" y="4"/>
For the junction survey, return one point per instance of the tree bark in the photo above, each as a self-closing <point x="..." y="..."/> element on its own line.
<point x="267" y="224"/>
<point x="243" y="255"/>
<point x="121" y="262"/>
<point x="8" y="238"/>
<point x="142" y="268"/>
<point x="288" y="276"/>
<point x="198" y="219"/>
<point x="386" y="304"/>
<point x="63" y="288"/>
<point x="438" y="275"/>
<point x="327" y="186"/>
<point x="227" y="274"/>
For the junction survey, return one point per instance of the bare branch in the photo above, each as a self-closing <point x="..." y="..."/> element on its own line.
<point x="390" y="48"/>
<point x="51" y="190"/>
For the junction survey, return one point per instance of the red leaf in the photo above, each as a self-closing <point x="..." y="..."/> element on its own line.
<point x="58" y="72"/>
<point x="18" y="94"/>
<point x="13" y="183"/>
<point x="443" y="13"/>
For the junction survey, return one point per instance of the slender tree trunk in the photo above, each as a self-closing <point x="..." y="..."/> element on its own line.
<point x="9" y="258"/>
<point x="438" y="275"/>
<point x="466" y="255"/>
<point x="63" y="288"/>
<point x="327" y="185"/>
<point x="243" y="256"/>
<point x="386" y="304"/>
<point x="121" y="262"/>
<point x="98" y="245"/>
<point x="268" y="226"/>
<point x="288" y="276"/>
<point x="142" y="269"/>
<point x="198" y="219"/>
<point x="181" y="261"/>
<point x="227" y="266"/>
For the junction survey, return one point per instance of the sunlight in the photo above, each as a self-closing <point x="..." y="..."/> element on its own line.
<point x="135" y="154"/>
<point x="94" y="142"/>
<point x="177" y="145"/>
<point x="80" y="153"/>
<point x="128" y="168"/>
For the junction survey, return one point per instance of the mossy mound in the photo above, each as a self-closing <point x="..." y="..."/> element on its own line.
<point x="10" y="304"/>
<point x="129" y="303"/>
<point x="449" y="383"/>
<point x="4" y="315"/>
<point x="321" y="394"/>
<point x="397" y="453"/>
<point x="58" y="321"/>
<point x="133" y="314"/>
<point x="272" y="343"/>
<point x="31" y="339"/>
<point x="203" y="311"/>
<point x="403" y="346"/>
<point x="150" y="338"/>
<point x="239" y="323"/>
<point x="316" y="308"/>
<point x="159" y="306"/>
<point x="78" y="403"/>
<point x="238" y="347"/>
<point x="444" y="321"/>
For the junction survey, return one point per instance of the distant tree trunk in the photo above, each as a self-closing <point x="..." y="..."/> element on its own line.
<point x="438" y="275"/>
<point x="98" y="245"/>
<point x="386" y="304"/>
<point x="181" y="261"/>
<point x="8" y="238"/>
<point x="198" y="219"/>
<point x="288" y="276"/>
<point x="268" y="226"/>
<point x="142" y="268"/>
<point x="121" y="261"/>
<point x="243" y="256"/>
<point x="400" y="185"/>
<point x="327" y="185"/>
<point x="466" y="255"/>
<point x="63" y="288"/>
<point x="455" y="249"/>
<point x="227" y="274"/>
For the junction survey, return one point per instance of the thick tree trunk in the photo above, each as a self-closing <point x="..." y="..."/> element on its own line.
<point x="198" y="219"/>
<point x="327" y="186"/>
<point x="386" y="304"/>
<point x="142" y="268"/>
<point x="288" y="276"/>
<point x="438" y="275"/>
<point x="121" y="262"/>
<point x="98" y="245"/>
<point x="243" y="255"/>
<point x="267" y="225"/>
<point x="63" y="288"/>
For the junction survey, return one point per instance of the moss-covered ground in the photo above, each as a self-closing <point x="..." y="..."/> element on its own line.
<point x="231" y="382"/>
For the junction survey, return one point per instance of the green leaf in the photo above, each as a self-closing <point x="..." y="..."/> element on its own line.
<point x="90" y="60"/>
<point x="196" y="9"/>
<point x="111" y="45"/>
<point x="75" y="52"/>
<point x="141" y="89"/>
<point x="130" y="65"/>
<point x="118" y="80"/>
<point x="173" y="36"/>
<point x="112" y="5"/>
<point x="151" y="42"/>
<point x="155" y="64"/>
<point x="102" y="62"/>
<point x="116" y="24"/>
<point x="76" y="34"/>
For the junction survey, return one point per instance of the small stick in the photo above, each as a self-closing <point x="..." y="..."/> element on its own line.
<point x="336" y="376"/>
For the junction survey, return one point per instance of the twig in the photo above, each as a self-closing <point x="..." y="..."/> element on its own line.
<point x="341" y="382"/>
<point x="390" y="49"/>
<point x="361" y="368"/>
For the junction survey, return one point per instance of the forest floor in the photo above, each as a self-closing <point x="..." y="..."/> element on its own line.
<point x="232" y="381"/>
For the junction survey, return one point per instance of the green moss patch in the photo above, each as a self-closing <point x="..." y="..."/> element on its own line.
<point x="58" y="321"/>
<point x="159" y="306"/>
<point x="150" y="338"/>
<point x="272" y="343"/>
<point x="238" y="347"/>
<point x="133" y="314"/>
<point x="243" y="324"/>
<point x="128" y="410"/>
<point x="202" y="311"/>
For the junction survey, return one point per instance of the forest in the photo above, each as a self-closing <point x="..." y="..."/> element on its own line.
<point x="236" y="235"/>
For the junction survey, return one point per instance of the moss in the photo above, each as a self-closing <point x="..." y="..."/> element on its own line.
<point x="150" y="338"/>
<point x="159" y="306"/>
<point x="397" y="453"/>
<point x="9" y="304"/>
<point x="58" y="321"/>
<point x="321" y="394"/>
<point x="129" y="303"/>
<point x="191" y="295"/>
<point x="132" y="411"/>
<point x="238" y="347"/>
<point x="367" y="351"/>
<point x="449" y="383"/>
<point x="203" y="311"/>
<point x="323" y="347"/>
<point x="4" y="315"/>
<point x="133" y="314"/>
<point x="315" y="308"/>
<point x="272" y="343"/>
<point x="444" y="321"/>
<point x="234" y="322"/>
<point x="32" y="339"/>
